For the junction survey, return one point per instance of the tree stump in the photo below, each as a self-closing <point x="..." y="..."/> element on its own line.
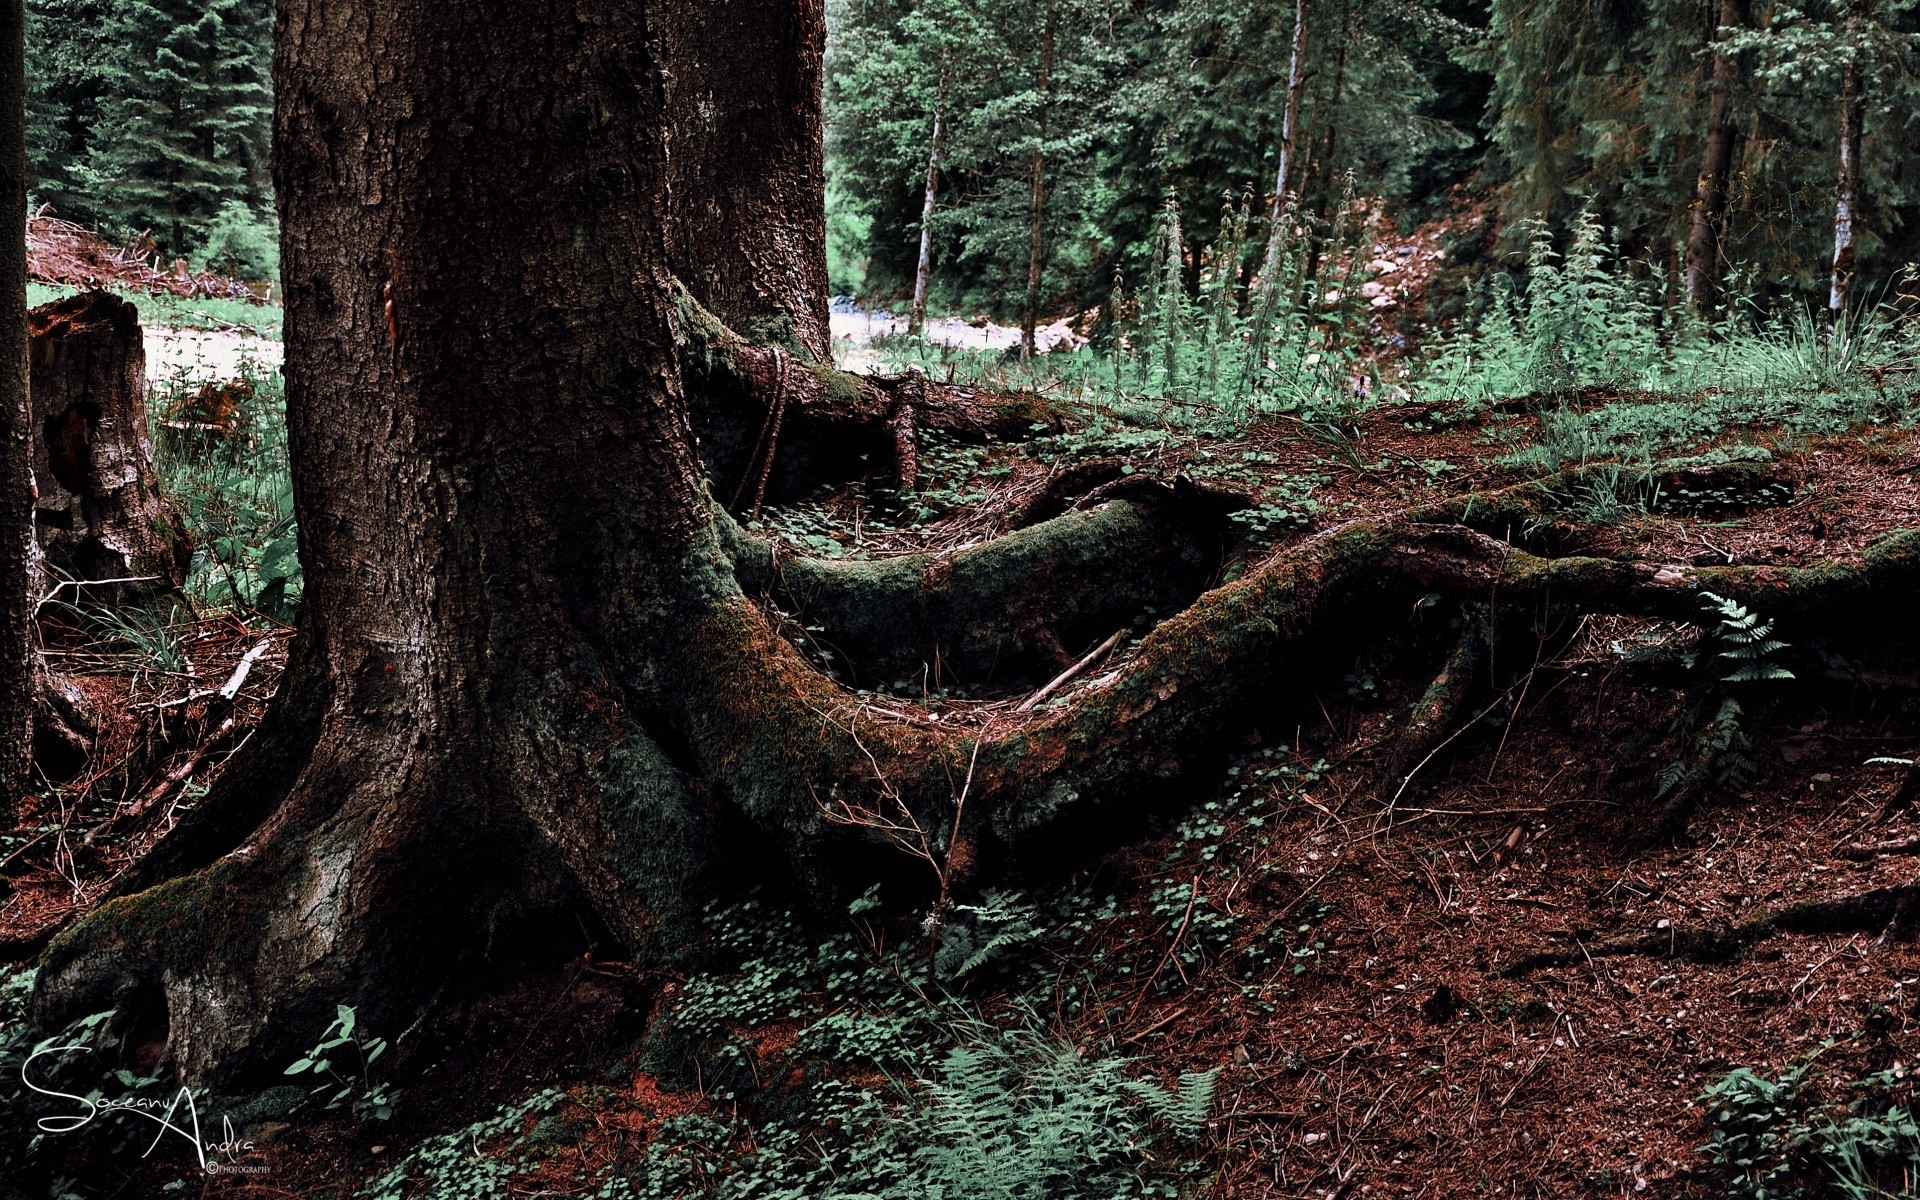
<point x="98" y="512"/>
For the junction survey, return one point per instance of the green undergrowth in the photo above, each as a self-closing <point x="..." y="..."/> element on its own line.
<point x="180" y="312"/>
<point x="1808" y="1132"/>
<point x="1575" y="339"/>
<point x="1002" y="1049"/>
<point x="845" y="1069"/>
<point x="221" y="451"/>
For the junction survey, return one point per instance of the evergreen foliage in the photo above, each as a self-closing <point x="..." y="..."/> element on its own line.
<point x="152" y="116"/>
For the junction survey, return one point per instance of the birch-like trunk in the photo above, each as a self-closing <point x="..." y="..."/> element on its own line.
<point x="1846" y="198"/>
<point x="1037" y="201"/>
<point x="917" y="319"/>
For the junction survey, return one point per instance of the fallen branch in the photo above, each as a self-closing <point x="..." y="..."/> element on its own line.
<point x="1072" y="673"/>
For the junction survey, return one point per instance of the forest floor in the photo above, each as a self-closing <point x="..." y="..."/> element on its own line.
<point x="1351" y="954"/>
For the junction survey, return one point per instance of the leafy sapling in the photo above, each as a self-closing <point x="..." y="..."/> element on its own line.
<point x="351" y="1082"/>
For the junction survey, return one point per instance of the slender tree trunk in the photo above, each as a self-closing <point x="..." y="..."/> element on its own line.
<point x="17" y="637"/>
<point x="1270" y="263"/>
<point x="1846" y="199"/>
<point x="1037" y="201"/>
<point x="1290" y="117"/>
<point x="917" y="319"/>
<point x="1328" y="188"/>
<point x="1716" y="159"/>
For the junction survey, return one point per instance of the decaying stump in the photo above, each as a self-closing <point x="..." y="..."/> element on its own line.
<point x="99" y="514"/>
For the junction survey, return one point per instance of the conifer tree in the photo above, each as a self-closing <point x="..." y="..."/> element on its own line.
<point x="66" y="83"/>
<point x="185" y="125"/>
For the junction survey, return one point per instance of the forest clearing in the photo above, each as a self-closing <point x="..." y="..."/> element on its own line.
<point x="919" y="601"/>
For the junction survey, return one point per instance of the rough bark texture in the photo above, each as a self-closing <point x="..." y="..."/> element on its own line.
<point x="747" y="179"/>
<point x="16" y="456"/>
<point x="1716" y="158"/>
<point x="99" y="513"/>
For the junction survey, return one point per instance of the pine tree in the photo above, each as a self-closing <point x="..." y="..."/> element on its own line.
<point x="185" y="125"/>
<point x="66" y="83"/>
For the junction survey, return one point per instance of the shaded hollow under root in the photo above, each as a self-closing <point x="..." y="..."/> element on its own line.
<point x="1436" y="716"/>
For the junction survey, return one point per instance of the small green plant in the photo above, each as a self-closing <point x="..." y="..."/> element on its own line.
<point x="1786" y="1137"/>
<point x="1747" y="648"/>
<point x="1737" y="651"/>
<point x="351" y="1084"/>
<point x="141" y="638"/>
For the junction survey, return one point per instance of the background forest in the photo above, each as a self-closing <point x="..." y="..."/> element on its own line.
<point x="1059" y="132"/>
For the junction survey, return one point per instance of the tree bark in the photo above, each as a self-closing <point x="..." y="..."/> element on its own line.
<point x="17" y="636"/>
<point x="917" y="317"/>
<point x="747" y="166"/>
<point x="1716" y="159"/>
<point x="100" y="514"/>
<point x="1846" y="198"/>
<point x="1037" y="199"/>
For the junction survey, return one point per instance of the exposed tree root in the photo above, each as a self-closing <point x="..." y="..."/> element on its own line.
<point x="831" y="417"/>
<point x="1888" y="912"/>
<point x="1021" y="605"/>
<point x="746" y="748"/>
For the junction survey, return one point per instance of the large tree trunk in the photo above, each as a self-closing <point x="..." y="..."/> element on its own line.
<point x="16" y="462"/>
<point x="1716" y="158"/>
<point x="539" y="668"/>
<point x="746" y="165"/>
<point x="100" y="514"/>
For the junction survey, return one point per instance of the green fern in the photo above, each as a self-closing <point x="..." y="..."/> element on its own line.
<point x="1187" y="1106"/>
<point x="1746" y="641"/>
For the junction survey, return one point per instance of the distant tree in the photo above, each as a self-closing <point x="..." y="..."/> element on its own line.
<point x="67" y="62"/>
<point x="185" y="120"/>
<point x="1187" y="95"/>
<point x="1838" y="82"/>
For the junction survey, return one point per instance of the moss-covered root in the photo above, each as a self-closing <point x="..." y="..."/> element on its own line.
<point x="731" y="370"/>
<point x="1887" y="912"/>
<point x="1002" y="609"/>
<point x="1436" y="715"/>
<point x="1202" y="674"/>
